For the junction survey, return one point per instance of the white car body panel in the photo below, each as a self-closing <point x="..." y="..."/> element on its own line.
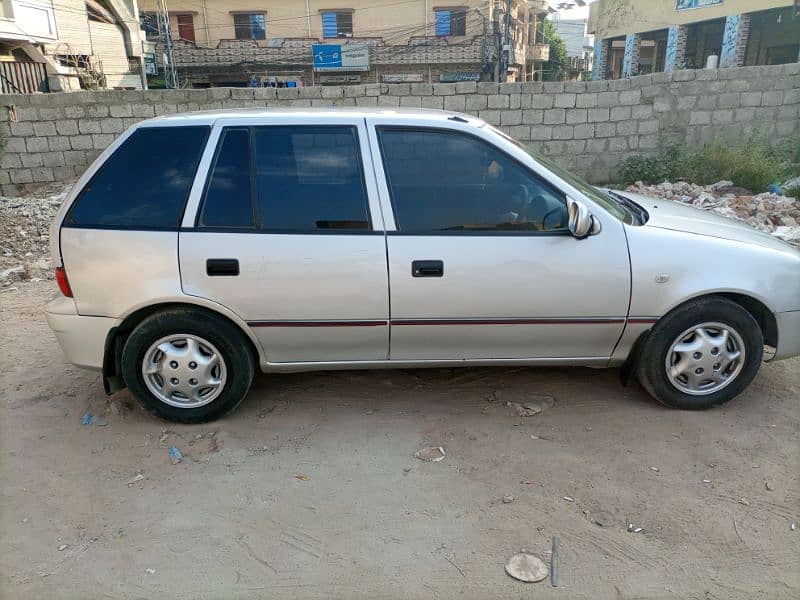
<point x="585" y="301"/>
<point x="308" y="282"/>
<point x="538" y="284"/>
<point x="668" y="214"/>
<point x="120" y="269"/>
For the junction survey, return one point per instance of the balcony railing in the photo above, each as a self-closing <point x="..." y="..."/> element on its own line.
<point x="297" y="51"/>
<point x="539" y="52"/>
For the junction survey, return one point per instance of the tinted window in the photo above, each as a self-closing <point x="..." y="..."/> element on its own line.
<point x="145" y="183"/>
<point x="448" y="181"/>
<point x="309" y="178"/>
<point x="228" y="202"/>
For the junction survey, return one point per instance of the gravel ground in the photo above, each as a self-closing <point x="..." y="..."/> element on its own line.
<point x="311" y="489"/>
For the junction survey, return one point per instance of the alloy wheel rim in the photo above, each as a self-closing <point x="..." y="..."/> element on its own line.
<point x="705" y="358"/>
<point x="184" y="370"/>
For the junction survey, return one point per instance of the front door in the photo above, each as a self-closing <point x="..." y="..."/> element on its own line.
<point x="481" y="263"/>
<point x="285" y="236"/>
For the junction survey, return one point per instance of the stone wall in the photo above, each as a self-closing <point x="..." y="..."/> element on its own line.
<point x="588" y="127"/>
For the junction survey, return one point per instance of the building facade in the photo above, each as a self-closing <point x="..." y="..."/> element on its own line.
<point x="66" y="45"/>
<point x="306" y="42"/>
<point x="579" y="44"/>
<point x="641" y="36"/>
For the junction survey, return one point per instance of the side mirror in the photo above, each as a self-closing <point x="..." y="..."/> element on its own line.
<point x="581" y="222"/>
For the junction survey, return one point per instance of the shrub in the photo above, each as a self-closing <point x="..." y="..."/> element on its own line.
<point x="751" y="163"/>
<point x="651" y="169"/>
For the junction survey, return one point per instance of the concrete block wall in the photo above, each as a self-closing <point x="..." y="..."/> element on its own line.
<point x="588" y="127"/>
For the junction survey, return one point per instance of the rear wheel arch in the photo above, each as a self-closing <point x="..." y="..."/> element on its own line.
<point x="117" y="336"/>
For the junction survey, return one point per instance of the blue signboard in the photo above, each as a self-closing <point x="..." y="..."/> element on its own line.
<point x="689" y="4"/>
<point x="671" y="55"/>
<point x="727" y="57"/>
<point x="327" y="56"/>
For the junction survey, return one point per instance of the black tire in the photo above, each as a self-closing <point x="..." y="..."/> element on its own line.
<point x="226" y="337"/>
<point x="652" y="371"/>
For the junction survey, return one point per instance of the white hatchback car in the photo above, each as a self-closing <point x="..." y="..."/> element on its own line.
<point x="200" y="246"/>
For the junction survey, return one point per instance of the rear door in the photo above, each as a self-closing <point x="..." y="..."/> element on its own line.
<point x="287" y="233"/>
<point x="481" y="263"/>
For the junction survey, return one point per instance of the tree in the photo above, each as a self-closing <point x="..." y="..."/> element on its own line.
<point x="557" y="64"/>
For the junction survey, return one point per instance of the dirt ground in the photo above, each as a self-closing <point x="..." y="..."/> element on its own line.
<point x="311" y="490"/>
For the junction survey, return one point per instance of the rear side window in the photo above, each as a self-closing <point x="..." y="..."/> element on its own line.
<point x="228" y="201"/>
<point x="145" y="183"/>
<point x="309" y="178"/>
<point x="290" y="179"/>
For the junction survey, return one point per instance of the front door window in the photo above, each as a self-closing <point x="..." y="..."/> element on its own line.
<point x="446" y="181"/>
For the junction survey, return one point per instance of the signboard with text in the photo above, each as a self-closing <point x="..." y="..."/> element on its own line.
<point x="341" y="57"/>
<point x="459" y="76"/>
<point x="689" y="4"/>
<point x="340" y="78"/>
<point x="402" y="78"/>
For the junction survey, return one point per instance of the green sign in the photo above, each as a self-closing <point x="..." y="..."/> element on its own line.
<point x="459" y="76"/>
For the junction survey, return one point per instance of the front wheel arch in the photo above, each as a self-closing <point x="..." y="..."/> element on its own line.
<point x="757" y="309"/>
<point x="711" y="310"/>
<point x="763" y="315"/>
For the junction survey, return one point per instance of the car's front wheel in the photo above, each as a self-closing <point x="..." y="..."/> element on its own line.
<point x="187" y="365"/>
<point x="703" y="353"/>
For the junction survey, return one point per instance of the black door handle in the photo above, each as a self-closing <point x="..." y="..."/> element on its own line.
<point x="222" y="267"/>
<point x="427" y="268"/>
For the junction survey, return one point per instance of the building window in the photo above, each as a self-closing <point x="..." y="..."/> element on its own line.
<point x="337" y="24"/>
<point x="185" y="27"/>
<point x="451" y="21"/>
<point x="250" y="26"/>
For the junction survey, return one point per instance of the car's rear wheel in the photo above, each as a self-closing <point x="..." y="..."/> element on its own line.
<point x="187" y="365"/>
<point x="702" y="354"/>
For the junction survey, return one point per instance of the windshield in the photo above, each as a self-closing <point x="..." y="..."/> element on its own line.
<point x="607" y="202"/>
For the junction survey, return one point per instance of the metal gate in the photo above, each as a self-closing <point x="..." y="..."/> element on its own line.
<point x="23" y="78"/>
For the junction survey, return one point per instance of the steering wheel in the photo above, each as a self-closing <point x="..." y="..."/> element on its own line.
<point x="525" y="202"/>
<point x="555" y="210"/>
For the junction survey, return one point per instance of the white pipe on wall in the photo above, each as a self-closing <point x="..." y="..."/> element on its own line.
<point x="308" y="16"/>
<point x="205" y="25"/>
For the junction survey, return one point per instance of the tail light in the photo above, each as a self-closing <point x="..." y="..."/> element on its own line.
<point x="63" y="282"/>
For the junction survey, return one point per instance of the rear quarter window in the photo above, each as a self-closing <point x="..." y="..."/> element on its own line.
<point x="145" y="183"/>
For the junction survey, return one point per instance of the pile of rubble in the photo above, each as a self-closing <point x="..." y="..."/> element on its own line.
<point x="773" y="213"/>
<point x="25" y="236"/>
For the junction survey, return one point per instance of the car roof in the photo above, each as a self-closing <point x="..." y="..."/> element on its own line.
<point x="208" y="117"/>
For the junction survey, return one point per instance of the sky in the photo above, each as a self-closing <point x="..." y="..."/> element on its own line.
<point x="575" y="13"/>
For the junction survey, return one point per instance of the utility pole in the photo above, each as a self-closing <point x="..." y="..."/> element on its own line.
<point x="496" y="41"/>
<point x="164" y="32"/>
<point x="485" y="66"/>
<point x="486" y="63"/>
<point x="506" y="46"/>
